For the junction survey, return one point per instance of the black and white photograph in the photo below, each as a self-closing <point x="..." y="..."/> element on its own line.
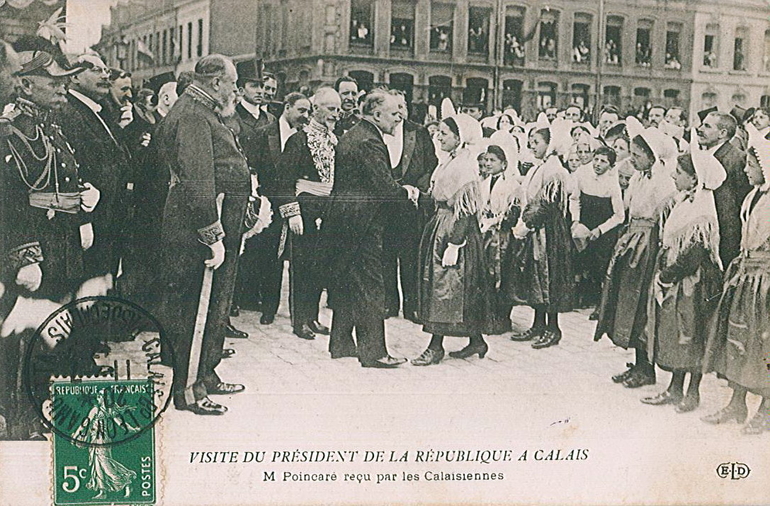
<point x="354" y="252"/>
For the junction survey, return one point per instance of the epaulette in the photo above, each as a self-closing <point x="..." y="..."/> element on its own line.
<point x="10" y="113"/>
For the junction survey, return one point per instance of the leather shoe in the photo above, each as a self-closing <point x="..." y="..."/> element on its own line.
<point x="549" y="338"/>
<point x="640" y="378"/>
<point x="386" y="362"/>
<point x="233" y="333"/>
<point x="206" y="406"/>
<point x="304" y="332"/>
<point x="267" y="319"/>
<point x="235" y="310"/>
<point x="757" y="425"/>
<point x="223" y="388"/>
<point x="620" y="378"/>
<point x="429" y="357"/>
<point x="662" y="398"/>
<point x="473" y="348"/>
<point x="318" y="328"/>
<point x="689" y="403"/>
<point x="528" y="335"/>
<point x="227" y="352"/>
<point x="727" y="414"/>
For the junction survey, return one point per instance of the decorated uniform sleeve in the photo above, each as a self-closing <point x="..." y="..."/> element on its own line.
<point x="195" y="157"/>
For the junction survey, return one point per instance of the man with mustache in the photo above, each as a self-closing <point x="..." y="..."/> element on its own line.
<point x="202" y="230"/>
<point x="305" y="177"/>
<point x="44" y="202"/>
<point x="103" y="161"/>
<point x="347" y="87"/>
<point x="269" y="144"/>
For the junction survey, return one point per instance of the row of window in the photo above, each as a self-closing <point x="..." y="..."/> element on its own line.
<point x="515" y="36"/>
<point x="167" y="47"/>
<point x="477" y="91"/>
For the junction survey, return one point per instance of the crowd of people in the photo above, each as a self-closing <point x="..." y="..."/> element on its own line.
<point x="188" y="195"/>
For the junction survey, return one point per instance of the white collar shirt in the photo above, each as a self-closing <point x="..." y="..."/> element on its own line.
<point x="284" y="131"/>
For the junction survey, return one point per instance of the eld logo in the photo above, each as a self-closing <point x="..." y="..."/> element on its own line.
<point x="733" y="470"/>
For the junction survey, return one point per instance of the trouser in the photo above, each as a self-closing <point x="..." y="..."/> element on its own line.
<point x="304" y="280"/>
<point x="370" y="335"/>
<point x="269" y="267"/>
<point x="182" y="307"/>
<point x="401" y="244"/>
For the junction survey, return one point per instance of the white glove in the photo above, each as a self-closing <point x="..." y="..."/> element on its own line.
<point x="413" y="193"/>
<point x="146" y="138"/>
<point x="30" y="276"/>
<point x="520" y="231"/>
<point x="89" y="197"/>
<point x="451" y="253"/>
<point x="295" y="225"/>
<point x="217" y="255"/>
<point x="86" y="236"/>
<point x="126" y="115"/>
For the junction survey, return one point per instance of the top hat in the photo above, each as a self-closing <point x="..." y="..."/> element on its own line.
<point x="249" y="70"/>
<point x="702" y="114"/>
<point x="155" y="83"/>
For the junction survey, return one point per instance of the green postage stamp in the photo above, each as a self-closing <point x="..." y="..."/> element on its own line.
<point x="104" y="450"/>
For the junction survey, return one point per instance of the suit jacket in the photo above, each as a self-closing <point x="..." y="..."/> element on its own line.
<point x="267" y="151"/>
<point x="248" y="127"/>
<point x="104" y="163"/>
<point x="418" y="160"/>
<point x="728" y="199"/>
<point x="346" y="122"/>
<point x="363" y="187"/>
<point x="295" y="163"/>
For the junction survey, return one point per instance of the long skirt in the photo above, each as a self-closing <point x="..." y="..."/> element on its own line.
<point x="452" y="300"/>
<point x="739" y="342"/>
<point x="677" y="327"/>
<point x="541" y="267"/>
<point x="623" y="309"/>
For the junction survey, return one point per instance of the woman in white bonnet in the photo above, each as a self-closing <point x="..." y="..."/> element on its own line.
<point x="452" y="299"/>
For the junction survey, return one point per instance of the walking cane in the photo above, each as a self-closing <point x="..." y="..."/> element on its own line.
<point x="197" y="342"/>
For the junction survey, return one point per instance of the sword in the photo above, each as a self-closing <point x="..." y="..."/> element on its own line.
<point x="197" y="340"/>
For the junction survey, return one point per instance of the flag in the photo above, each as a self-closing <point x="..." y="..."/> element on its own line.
<point x="143" y="51"/>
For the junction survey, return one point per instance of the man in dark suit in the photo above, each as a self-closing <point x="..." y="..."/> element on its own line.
<point x="347" y="87"/>
<point x="250" y="117"/>
<point x="714" y="135"/>
<point x="412" y="161"/>
<point x="202" y="230"/>
<point x="353" y="231"/>
<point x="270" y="142"/>
<point x="304" y="178"/>
<point x="103" y="161"/>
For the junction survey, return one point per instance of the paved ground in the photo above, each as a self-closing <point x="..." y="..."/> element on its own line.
<point x="517" y="398"/>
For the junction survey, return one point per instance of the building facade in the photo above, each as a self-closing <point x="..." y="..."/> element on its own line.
<point x="732" y="48"/>
<point x="149" y="37"/>
<point x="520" y="53"/>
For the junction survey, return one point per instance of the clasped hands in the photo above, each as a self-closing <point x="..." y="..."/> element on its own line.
<point x="413" y="193"/>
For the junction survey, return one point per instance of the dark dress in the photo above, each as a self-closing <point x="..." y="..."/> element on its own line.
<point x="739" y="345"/>
<point x="453" y="301"/>
<point x="681" y="301"/>
<point x="542" y="270"/>
<point x="623" y="309"/>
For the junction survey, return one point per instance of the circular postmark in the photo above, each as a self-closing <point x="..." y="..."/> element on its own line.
<point x="99" y="371"/>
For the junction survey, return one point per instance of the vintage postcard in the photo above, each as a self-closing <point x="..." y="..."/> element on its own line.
<point x="311" y="252"/>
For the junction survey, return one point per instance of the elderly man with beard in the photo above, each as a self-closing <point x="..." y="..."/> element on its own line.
<point x="43" y="205"/>
<point x="202" y="230"/>
<point x="304" y="180"/>
<point x="103" y="161"/>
